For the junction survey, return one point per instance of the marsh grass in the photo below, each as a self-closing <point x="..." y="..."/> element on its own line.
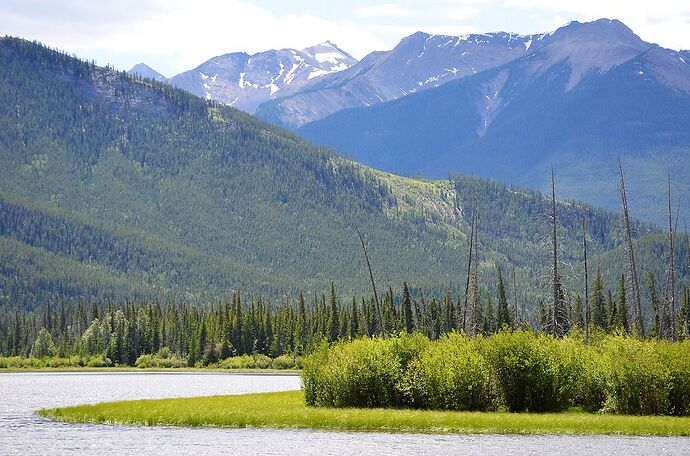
<point x="288" y="410"/>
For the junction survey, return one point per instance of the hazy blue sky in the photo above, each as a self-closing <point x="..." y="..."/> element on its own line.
<point x="175" y="35"/>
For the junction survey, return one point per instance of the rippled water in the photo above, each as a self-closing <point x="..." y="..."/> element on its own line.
<point x="22" y="432"/>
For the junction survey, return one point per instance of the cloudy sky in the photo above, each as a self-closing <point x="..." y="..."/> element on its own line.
<point x="176" y="35"/>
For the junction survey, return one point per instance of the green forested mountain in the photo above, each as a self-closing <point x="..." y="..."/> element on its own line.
<point x="112" y="186"/>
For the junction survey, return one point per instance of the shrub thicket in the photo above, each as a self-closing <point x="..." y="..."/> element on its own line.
<point x="451" y="375"/>
<point x="516" y="371"/>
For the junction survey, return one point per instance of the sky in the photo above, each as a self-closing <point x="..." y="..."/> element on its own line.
<point x="176" y="35"/>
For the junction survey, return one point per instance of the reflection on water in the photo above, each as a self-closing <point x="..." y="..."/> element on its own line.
<point x="23" y="433"/>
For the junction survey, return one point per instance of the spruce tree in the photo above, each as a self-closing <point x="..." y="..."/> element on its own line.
<point x="654" y="305"/>
<point x="599" y="317"/>
<point x="622" y="304"/>
<point x="408" y="321"/>
<point x="334" y="322"/>
<point x="503" y="316"/>
<point x="577" y="315"/>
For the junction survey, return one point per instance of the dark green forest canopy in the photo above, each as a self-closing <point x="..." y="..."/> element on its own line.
<point x="117" y="187"/>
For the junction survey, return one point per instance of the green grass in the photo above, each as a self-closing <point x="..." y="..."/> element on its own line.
<point x="168" y="370"/>
<point x="287" y="410"/>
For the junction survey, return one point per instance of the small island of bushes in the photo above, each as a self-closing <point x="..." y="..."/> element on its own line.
<point x="512" y="382"/>
<point x="516" y="371"/>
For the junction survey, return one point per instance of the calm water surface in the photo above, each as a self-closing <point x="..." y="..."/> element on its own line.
<point x="22" y="432"/>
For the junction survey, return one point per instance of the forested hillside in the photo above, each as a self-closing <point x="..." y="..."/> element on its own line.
<point x="589" y="93"/>
<point x="113" y="186"/>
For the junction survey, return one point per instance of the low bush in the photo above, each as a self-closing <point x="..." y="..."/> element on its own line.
<point x="168" y="362"/>
<point x="98" y="361"/>
<point x="363" y="373"/>
<point x="534" y="372"/>
<point x="451" y="375"/>
<point x="19" y="362"/>
<point x="637" y="381"/>
<point x="590" y="393"/>
<point x="287" y="362"/>
<point x="246" y="362"/>
<point x="677" y="358"/>
<point x="518" y="371"/>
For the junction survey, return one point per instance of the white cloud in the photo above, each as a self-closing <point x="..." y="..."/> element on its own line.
<point x="186" y="33"/>
<point x="666" y="22"/>
<point x="175" y="35"/>
<point x="384" y="10"/>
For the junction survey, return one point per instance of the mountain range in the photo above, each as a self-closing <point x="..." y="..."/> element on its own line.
<point x="585" y="95"/>
<point x="246" y="81"/>
<point x="498" y="105"/>
<point x="114" y="186"/>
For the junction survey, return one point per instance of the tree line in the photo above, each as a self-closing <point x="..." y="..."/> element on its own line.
<point x="122" y="332"/>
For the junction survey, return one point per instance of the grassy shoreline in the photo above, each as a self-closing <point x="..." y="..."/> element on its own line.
<point x="181" y="370"/>
<point x="288" y="410"/>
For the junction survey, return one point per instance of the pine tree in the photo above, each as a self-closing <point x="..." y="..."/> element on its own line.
<point x="614" y="319"/>
<point x="225" y="350"/>
<point x="334" y="322"/>
<point x="503" y="316"/>
<point x="408" y="321"/>
<point x="653" y="304"/>
<point x="449" y="316"/>
<point x="489" y="319"/>
<point x="577" y="316"/>
<point x="301" y="326"/>
<point x="599" y="316"/>
<point x="43" y="346"/>
<point x="353" y="331"/>
<point x="622" y="304"/>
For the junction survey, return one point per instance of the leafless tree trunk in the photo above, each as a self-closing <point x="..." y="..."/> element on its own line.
<point x="632" y="267"/>
<point x="475" y="309"/>
<point x="671" y="266"/>
<point x="373" y="283"/>
<point x="687" y="241"/>
<point x="515" y="297"/>
<point x="584" y="248"/>
<point x="473" y="226"/>
<point x="557" y="327"/>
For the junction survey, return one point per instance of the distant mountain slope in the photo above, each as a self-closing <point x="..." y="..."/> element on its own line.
<point x="146" y="71"/>
<point x="114" y="187"/>
<point x="419" y="62"/>
<point x="591" y="92"/>
<point x="245" y="81"/>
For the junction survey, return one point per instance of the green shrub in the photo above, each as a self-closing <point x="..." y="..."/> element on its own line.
<point x="534" y="372"/>
<point x="263" y="362"/>
<point x="246" y="362"/>
<point x="363" y="373"/>
<point x="9" y="362"/>
<point x="677" y="358"/>
<point x="591" y="387"/>
<point x="286" y="362"/>
<point x="637" y="381"/>
<point x="98" y="361"/>
<point x="168" y="362"/>
<point x="452" y="375"/>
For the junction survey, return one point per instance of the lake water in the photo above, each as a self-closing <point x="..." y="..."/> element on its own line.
<point x="23" y="433"/>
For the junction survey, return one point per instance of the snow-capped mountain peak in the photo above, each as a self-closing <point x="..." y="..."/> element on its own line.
<point x="245" y="81"/>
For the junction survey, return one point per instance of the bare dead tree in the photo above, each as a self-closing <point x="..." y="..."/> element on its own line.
<point x="636" y="311"/>
<point x="687" y="241"/>
<point x="671" y="267"/>
<point x="515" y="296"/>
<point x="584" y="249"/>
<point x="373" y="283"/>
<point x="557" y="311"/>
<point x="473" y="226"/>
<point x="475" y="309"/>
